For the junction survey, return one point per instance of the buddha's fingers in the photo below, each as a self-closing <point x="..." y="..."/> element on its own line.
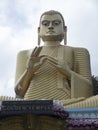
<point x="53" y="61"/>
<point x="36" y="51"/>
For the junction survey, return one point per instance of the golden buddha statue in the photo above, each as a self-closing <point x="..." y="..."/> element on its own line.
<point x="55" y="71"/>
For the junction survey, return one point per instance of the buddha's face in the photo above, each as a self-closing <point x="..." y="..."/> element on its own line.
<point x="51" y="26"/>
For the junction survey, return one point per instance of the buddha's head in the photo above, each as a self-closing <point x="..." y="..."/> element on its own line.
<point x="52" y="26"/>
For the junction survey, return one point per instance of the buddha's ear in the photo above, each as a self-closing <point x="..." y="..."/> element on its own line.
<point x="65" y="35"/>
<point x="38" y="30"/>
<point x="38" y="36"/>
<point x="65" y="28"/>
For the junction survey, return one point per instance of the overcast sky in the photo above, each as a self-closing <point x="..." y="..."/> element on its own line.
<point x="19" y="20"/>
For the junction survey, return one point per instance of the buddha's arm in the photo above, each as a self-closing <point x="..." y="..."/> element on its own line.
<point x="25" y="69"/>
<point x="23" y="82"/>
<point x="81" y="83"/>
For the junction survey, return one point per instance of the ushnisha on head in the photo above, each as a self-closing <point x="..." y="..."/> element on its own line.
<point x="52" y="27"/>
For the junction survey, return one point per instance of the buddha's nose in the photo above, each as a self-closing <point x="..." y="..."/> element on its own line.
<point x="50" y="26"/>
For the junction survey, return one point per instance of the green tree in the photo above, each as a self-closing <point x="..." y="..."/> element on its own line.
<point x="95" y="85"/>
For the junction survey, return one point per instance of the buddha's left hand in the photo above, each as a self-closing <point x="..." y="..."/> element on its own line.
<point x="60" y="65"/>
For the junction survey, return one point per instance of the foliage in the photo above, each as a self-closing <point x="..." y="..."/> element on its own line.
<point x="95" y="85"/>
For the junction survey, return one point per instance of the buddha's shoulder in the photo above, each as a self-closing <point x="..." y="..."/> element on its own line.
<point x="76" y="49"/>
<point x="25" y="52"/>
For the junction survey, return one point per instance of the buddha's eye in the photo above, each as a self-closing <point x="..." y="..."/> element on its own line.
<point x="45" y="23"/>
<point x="56" y="22"/>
